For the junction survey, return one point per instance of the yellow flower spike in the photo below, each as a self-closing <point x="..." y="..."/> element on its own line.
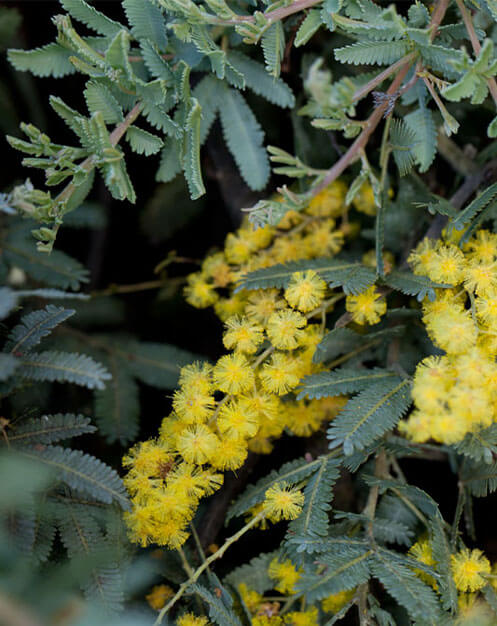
<point x="366" y="307"/>
<point x="198" y="292"/>
<point x="233" y="374"/>
<point x="282" y="502"/>
<point x="189" y="619"/>
<point x="336" y="601"/>
<point x="243" y="335"/>
<point x="285" y="574"/>
<point x="305" y="291"/>
<point x="284" y="329"/>
<point x="158" y="596"/>
<point x="467" y="568"/>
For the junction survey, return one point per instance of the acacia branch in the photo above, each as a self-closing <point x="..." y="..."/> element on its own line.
<point x="271" y="16"/>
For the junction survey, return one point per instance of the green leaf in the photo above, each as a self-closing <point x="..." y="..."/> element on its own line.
<point x="8" y="365"/>
<point x="147" y="21"/>
<point x="422" y="125"/>
<point x="117" y="407"/>
<point x="191" y="158"/>
<point x="143" y="142"/>
<point x="63" y="367"/>
<point x="346" y="564"/>
<point x="342" y="381"/>
<point x="413" y="285"/>
<point x="49" y="60"/>
<point x="402" y="140"/>
<point x="56" y="269"/>
<point x="155" y="364"/>
<point x="370" y="414"/>
<point x="8" y="301"/>
<point x="254" y="573"/>
<point x="170" y="164"/>
<point x="474" y="207"/>
<point x="480" y="479"/>
<point x="405" y="586"/>
<point x="352" y="276"/>
<point x="50" y="428"/>
<point x="218" y="611"/>
<point x="318" y="493"/>
<point x="273" y="89"/>
<point x="244" y="138"/>
<point x="273" y="47"/>
<point x="34" y="326"/>
<point x="311" y="24"/>
<point x="290" y="473"/>
<point x="372" y="52"/>
<point x="81" y="472"/>
<point x="99" y="98"/>
<point x="480" y="446"/>
<point x="207" y="93"/>
<point x="97" y="21"/>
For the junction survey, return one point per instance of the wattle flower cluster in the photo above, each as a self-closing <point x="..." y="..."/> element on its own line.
<point x="246" y="400"/>
<point x="456" y="393"/>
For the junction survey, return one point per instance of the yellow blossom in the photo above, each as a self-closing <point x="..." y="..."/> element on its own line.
<point x="305" y="291"/>
<point x="467" y="569"/>
<point x="189" y="619"/>
<point x="286" y="575"/>
<point x="233" y="374"/>
<point x="198" y="292"/>
<point x="283" y="502"/>
<point x="280" y="375"/>
<point x="243" y="335"/>
<point x="158" y="596"/>
<point x="284" y="329"/>
<point x="366" y="307"/>
<point x="336" y="601"/>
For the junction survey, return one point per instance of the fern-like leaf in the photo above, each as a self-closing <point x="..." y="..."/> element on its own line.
<point x="290" y="473"/>
<point x="97" y="21"/>
<point x="254" y="573"/>
<point x="49" y="60"/>
<point x="147" y="21"/>
<point x="421" y="123"/>
<point x="273" y="47"/>
<point x="244" y="138"/>
<point x="63" y="367"/>
<point x="372" y="52"/>
<point x="117" y="407"/>
<point x="413" y="285"/>
<point x="314" y="520"/>
<point x="191" y="158"/>
<point x="34" y="327"/>
<point x="342" y="381"/>
<point x="219" y="612"/>
<point x="402" y="140"/>
<point x="50" y="428"/>
<point x="478" y="204"/>
<point x="370" y="414"/>
<point x="480" y="479"/>
<point x="8" y="301"/>
<point x="143" y="142"/>
<point x="81" y="472"/>
<point x="353" y="277"/>
<point x="99" y="98"/>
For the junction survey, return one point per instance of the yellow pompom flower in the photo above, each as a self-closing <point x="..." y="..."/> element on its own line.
<point x="198" y="292"/>
<point x="217" y="269"/>
<point x="422" y="552"/>
<point x="280" y="374"/>
<point x="233" y="374"/>
<point x="482" y="247"/>
<point x="322" y="239"/>
<point x="486" y="308"/>
<point x="364" y="200"/>
<point x="447" y="265"/>
<point x="189" y="619"/>
<point x="238" y="247"/>
<point x="237" y="419"/>
<point x="284" y="329"/>
<point x="196" y="376"/>
<point x="286" y="575"/>
<point x="422" y="256"/>
<point x="226" y="307"/>
<point x="453" y="330"/>
<point x="329" y="202"/>
<point x="303" y="618"/>
<point x="267" y="620"/>
<point x="305" y="291"/>
<point x="230" y="454"/>
<point x="197" y="444"/>
<point x="243" y="335"/>
<point x="282" y="502"/>
<point x="158" y="596"/>
<point x="467" y="568"/>
<point x="480" y="278"/>
<point x="287" y="249"/>
<point x="262" y="303"/>
<point x="193" y="406"/>
<point x="366" y="307"/>
<point x="250" y="597"/>
<point x="336" y="601"/>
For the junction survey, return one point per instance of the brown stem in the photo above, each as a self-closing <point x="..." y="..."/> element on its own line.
<point x="468" y="22"/>
<point x="378" y="79"/>
<point x="272" y="16"/>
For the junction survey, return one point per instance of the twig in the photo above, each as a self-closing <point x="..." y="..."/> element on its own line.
<point x="271" y="16"/>
<point x="379" y="78"/>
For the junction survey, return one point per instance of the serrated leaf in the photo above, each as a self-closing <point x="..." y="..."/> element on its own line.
<point x="63" y="367"/>
<point x="170" y="164"/>
<point x="352" y="276"/>
<point x="207" y="93"/>
<point x="81" y="472"/>
<point x="370" y="414"/>
<point x="191" y="157"/>
<point x="402" y="140"/>
<point x="244" y="138"/>
<point x="372" y="52"/>
<point x="480" y="446"/>
<point x="273" y="89"/>
<point x="87" y="14"/>
<point x="50" y="60"/>
<point x="8" y="301"/>
<point x="8" y="365"/>
<point x="254" y="573"/>
<point x="413" y="285"/>
<point x="273" y="47"/>
<point x="342" y="381"/>
<point x="290" y="473"/>
<point x="50" y="428"/>
<point x="218" y="611"/>
<point x="34" y="326"/>
<point x="479" y="479"/>
<point x="474" y="207"/>
<point x="311" y="24"/>
<point x="117" y="407"/>
<point x="143" y="142"/>
<point x="423" y="126"/>
<point x="147" y="21"/>
<point x="99" y="98"/>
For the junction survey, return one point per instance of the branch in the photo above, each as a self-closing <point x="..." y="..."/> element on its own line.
<point x="272" y="16"/>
